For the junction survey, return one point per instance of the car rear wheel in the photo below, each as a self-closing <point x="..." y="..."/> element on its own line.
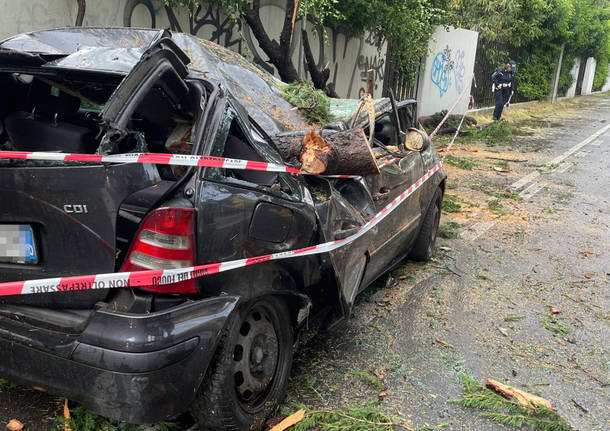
<point x="248" y="377"/>
<point x="425" y="245"/>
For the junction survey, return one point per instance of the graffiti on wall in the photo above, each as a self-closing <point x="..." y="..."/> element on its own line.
<point x="459" y="70"/>
<point x="440" y="75"/>
<point x="347" y="57"/>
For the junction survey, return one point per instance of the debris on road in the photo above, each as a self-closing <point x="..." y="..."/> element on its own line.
<point x="290" y="421"/>
<point x="525" y="399"/>
<point x="14" y="425"/>
<point x="444" y="343"/>
<point x="555" y="311"/>
<point x="503" y="331"/>
<point x="584" y="410"/>
<point x="67" y="416"/>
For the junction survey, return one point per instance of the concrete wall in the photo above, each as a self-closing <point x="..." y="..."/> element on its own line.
<point x="448" y="71"/>
<point x="348" y="58"/>
<point x="606" y="86"/>
<point x="587" y="80"/>
<point x="574" y="72"/>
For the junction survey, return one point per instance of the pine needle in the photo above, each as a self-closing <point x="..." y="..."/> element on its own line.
<point x="313" y="104"/>
<point x="508" y="412"/>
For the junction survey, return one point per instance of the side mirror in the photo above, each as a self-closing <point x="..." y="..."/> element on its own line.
<point x="416" y="139"/>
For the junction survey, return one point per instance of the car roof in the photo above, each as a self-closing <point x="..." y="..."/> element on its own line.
<point x="117" y="49"/>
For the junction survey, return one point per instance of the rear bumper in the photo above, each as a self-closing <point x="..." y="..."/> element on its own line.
<point x="134" y="368"/>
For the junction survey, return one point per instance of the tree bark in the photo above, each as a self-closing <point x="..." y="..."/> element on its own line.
<point x="278" y="53"/>
<point x="333" y="153"/>
<point x="80" y="14"/>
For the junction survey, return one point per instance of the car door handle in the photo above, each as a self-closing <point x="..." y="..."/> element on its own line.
<point x="342" y="234"/>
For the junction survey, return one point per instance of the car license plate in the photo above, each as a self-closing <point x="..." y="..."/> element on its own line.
<point x="17" y="244"/>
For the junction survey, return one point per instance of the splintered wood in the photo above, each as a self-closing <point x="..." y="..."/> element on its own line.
<point x="525" y="399"/>
<point x="289" y="421"/>
<point x="314" y="157"/>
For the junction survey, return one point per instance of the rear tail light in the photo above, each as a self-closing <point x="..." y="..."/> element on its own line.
<point x="165" y="240"/>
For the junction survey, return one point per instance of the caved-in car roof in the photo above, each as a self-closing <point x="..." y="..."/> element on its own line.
<point x="117" y="50"/>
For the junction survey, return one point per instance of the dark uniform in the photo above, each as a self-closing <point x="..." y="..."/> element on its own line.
<point x="503" y="87"/>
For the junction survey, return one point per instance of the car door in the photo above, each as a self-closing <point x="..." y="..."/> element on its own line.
<point x="398" y="230"/>
<point x="242" y="213"/>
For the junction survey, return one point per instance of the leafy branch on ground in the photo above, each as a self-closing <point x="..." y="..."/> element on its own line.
<point x="449" y="230"/>
<point x="367" y="417"/>
<point x="460" y="162"/>
<point x="553" y="325"/>
<point x="83" y="419"/>
<point x="369" y="378"/>
<point x="5" y="384"/>
<point x="508" y="412"/>
<point x="496" y="133"/>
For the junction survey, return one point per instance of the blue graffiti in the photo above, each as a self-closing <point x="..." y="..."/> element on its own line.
<point x="440" y="73"/>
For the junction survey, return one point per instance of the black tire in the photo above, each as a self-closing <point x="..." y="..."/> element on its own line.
<point x="425" y="244"/>
<point x="247" y="378"/>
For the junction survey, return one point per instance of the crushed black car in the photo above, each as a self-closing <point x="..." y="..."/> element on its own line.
<point x="219" y="345"/>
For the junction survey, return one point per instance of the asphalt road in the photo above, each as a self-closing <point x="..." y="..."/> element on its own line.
<point x="552" y="249"/>
<point x="549" y="249"/>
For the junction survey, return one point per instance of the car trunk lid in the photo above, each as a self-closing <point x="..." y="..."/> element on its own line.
<point x="71" y="210"/>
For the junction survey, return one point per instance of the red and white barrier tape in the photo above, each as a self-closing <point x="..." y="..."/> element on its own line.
<point x="457" y="132"/>
<point x="157" y="158"/>
<point x="438" y="127"/>
<point x="170" y="276"/>
<point x="169" y="159"/>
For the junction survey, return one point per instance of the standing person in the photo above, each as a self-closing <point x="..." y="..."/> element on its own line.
<point x="502" y="80"/>
<point x="513" y="67"/>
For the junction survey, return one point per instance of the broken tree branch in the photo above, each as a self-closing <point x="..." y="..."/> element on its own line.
<point x="290" y="421"/>
<point x="525" y="399"/>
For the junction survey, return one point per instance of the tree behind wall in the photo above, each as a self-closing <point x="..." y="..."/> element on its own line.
<point x="532" y="32"/>
<point x="405" y="24"/>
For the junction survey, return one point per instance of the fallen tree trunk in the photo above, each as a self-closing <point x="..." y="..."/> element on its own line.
<point x="345" y="152"/>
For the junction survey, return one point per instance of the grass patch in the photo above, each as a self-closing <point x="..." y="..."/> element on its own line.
<point x="367" y="417"/>
<point x="83" y="419"/>
<point x="508" y="412"/>
<point x="369" y="378"/>
<point x="513" y="318"/>
<point x="460" y="162"/>
<point x="497" y="133"/>
<point x="450" y="204"/>
<point x="449" y="230"/>
<point x="502" y="164"/>
<point x="551" y="324"/>
<point x="496" y="206"/>
<point x="490" y="190"/>
<point x="550" y="209"/>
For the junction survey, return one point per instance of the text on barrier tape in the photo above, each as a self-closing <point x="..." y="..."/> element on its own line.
<point x="170" y="276"/>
